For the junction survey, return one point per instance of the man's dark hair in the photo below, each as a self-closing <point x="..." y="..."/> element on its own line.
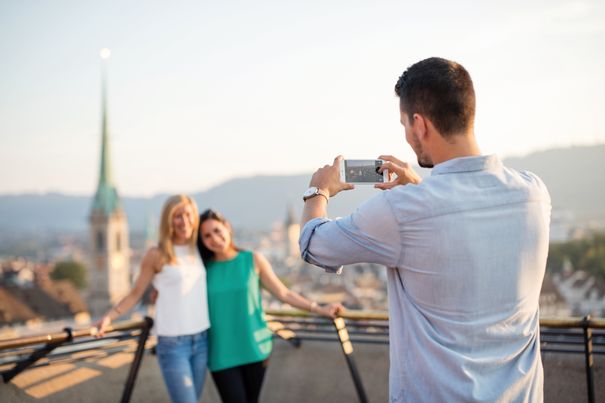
<point x="442" y="91"/>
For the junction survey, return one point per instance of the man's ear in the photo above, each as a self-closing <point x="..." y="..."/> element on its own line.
<point x="421" y="126"/>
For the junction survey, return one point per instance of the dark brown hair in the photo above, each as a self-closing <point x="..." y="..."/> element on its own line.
<point x="440" y="90"/>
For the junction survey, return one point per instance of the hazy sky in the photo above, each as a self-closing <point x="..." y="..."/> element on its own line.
<point x="200" y="92"/>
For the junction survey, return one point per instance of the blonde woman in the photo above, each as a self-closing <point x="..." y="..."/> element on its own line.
<point x="177" y="272"/>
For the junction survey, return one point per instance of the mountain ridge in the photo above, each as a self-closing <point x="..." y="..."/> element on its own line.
<point x="259" y="201"/>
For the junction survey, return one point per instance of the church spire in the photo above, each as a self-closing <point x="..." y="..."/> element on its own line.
<point x="106" y="199"/>
<point x="109" y="273"/>
<point x="105" y="172"/>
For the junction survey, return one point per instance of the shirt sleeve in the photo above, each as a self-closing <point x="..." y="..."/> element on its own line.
<point x="369" y="235"/>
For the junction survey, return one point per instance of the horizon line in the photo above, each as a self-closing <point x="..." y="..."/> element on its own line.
<point x="210" y="187"/>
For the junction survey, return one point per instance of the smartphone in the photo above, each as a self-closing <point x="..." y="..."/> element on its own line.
<point x="363" y="172"/>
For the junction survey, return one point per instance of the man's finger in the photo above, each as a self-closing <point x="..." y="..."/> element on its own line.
<point x="392" y="159"/>
<point x="386" y="157"/>
<point x="390" y="166"/>
<point x="385" y="186"/>
<point x="337" y="160"/>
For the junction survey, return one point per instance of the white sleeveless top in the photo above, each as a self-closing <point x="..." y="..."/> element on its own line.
<point x="182" y="304"/>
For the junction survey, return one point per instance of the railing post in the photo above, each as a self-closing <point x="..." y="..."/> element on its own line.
<point x="347" y="349"/>
<point x="284" y="333"/>
<point x="136" y="362"/>
<point x="588" y="357"/>
<point x="35" y="356"/>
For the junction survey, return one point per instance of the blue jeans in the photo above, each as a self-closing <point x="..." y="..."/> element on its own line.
<point x="183" y="362"/>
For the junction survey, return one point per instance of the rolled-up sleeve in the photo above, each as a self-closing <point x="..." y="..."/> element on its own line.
<point x="369" y="235"/>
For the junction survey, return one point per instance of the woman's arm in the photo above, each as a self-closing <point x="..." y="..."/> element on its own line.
<point x="148" y="269"/>
<point x="271" y="282"/>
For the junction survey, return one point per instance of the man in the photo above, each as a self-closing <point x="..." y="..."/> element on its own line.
<point x="465" y="249"/>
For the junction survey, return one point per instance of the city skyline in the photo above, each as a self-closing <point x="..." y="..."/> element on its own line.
<point x="199" y="94"/>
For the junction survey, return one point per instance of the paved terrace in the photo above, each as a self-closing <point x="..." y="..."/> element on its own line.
<point x="315" y="371"/>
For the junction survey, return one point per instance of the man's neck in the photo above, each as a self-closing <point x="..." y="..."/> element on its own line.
<point x="457" y="146"/>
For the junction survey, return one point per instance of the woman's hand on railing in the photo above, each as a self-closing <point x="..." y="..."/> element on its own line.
<point x="100" y="326"/>
<point x="153" y="295"/>
<point x="330" y="311"/>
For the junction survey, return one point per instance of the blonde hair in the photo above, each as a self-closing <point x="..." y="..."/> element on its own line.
<point x="165" y="244"/>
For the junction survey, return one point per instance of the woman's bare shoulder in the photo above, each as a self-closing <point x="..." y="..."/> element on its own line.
<point x="153" y="259"/>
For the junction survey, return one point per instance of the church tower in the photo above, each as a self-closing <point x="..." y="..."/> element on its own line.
<point x="109" y="274"/>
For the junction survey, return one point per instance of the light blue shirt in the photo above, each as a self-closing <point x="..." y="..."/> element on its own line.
<point x="466" y="251"/>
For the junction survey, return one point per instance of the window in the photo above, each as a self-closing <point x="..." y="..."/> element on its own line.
<point x="100" y="241"/>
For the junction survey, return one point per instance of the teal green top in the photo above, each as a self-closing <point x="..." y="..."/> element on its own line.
<point x="238" y="331"/>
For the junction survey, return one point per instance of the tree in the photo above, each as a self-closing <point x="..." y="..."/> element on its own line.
<point x="586" y="254"/>
<point x="72" y="271"/>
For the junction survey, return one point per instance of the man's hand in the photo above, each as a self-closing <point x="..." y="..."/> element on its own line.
<point x="328" y="178"/>
<point x="404" y="171"/>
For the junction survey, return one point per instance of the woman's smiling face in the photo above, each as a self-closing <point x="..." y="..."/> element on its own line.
<point x="182" y="223"/>
<point x="216" y="236"/>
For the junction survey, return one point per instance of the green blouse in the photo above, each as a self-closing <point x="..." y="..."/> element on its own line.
<point x="238" y="333"/>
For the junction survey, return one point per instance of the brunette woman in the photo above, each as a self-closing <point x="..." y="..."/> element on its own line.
<point x="239" y="340"/>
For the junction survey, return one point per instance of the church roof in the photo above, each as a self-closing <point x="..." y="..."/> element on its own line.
<point x="106" y="200"/>
<point x="12" y="309"/>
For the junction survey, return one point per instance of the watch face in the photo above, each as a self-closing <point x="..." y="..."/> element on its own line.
<point x="310" y="192"/>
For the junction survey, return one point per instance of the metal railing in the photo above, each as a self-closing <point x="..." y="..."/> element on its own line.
<point x="570" y="335"/>
<point x="25" y="352"/>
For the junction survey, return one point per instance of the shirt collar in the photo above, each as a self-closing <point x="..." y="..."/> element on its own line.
<point x="467" y="164"/>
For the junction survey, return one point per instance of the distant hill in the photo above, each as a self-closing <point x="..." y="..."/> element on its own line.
<point x="572" y="177"/>
<point x="571" y="174"/>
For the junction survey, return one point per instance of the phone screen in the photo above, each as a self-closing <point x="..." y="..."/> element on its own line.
<point x="362" y="171"/>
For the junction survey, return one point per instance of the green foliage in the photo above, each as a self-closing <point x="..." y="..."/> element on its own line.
<point x="72" y="271"/>
<point x="584" y="254"/>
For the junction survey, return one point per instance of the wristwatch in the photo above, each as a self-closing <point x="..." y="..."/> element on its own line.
<point x="312" y="192"/>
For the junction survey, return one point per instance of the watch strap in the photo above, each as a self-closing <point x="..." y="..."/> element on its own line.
<point x="318" y="192"/>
